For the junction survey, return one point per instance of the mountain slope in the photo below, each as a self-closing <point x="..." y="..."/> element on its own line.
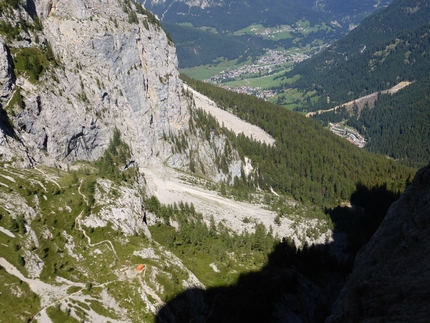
<point x="120" y="73"/>
<point x="387" y="48"/>
<point x="199" y="47"/>
<point x="210" y="13"/>
<point x="222" y="22"/>
<point x="95" y="85"/>
<point x="397" y="125"/>
<point x="342" y="69"/>
<point x="302" y="153"/>
<point x="94" y="117"/>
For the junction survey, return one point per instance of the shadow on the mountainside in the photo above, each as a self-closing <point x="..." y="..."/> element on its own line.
<point x="6" y="124"/>
<point x="31" y="8"/>
<point x="295" y="285"/>
<point x="360" y="220"/>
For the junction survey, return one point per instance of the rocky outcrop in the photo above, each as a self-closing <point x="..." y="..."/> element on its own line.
<point x="10" y="148"/>
<point x="390" y="279"/>
<point x="123" y="210"/>
<point x="113" y="68"/>
<point x="6" y="75"/>
<point x="41" y="7"/>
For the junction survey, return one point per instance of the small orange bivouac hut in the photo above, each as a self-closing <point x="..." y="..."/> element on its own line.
<point x="141" y="267"/>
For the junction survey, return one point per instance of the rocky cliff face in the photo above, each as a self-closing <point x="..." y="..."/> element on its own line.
<point x="390" y="280"/>
<point x="6" y="86"/>
<point x="112" y="68"/>
<point x="124" y="77"/>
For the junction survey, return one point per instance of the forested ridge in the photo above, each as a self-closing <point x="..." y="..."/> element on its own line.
<point x="397" y="125"/>
<point x="233" y="15"/>
<point x="308" y="162"/>
<point x="403" y="58"/>
<point x="208" y="45"/>
<point x="199" y="47"/>
<point x="202" y="36"/>
<point x="388" y="47"/>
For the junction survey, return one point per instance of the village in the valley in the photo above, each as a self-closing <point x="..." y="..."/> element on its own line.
<point x="271" y="63"/>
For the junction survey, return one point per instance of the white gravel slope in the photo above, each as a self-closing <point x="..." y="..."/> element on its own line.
<point x="229" y="120"/>
<point x="167" y="185"/>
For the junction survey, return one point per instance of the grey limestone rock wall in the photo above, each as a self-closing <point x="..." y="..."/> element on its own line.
<point x="6" y="75"/>
<point x="109" y="72"/>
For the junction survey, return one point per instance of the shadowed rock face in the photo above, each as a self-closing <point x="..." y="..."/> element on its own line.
<point x="391" y="276"/>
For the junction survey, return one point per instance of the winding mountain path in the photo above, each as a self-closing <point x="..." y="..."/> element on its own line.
<point x="48" y="177"/>
<point x="79" y="227"/>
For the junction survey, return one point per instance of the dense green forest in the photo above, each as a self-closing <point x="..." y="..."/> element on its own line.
<point x="205" y="46"/>
<point x="398" y="125"/>
<point x="316" y="165"/>
<point x="234" y="15"/>
<point x="197" y="44"/>
<point x="340" y="7"/>
<point x="404" y="58"/>
<point x="202" y="36"/>
<point x="388" y="47"/>
<point x="370" y="58"/>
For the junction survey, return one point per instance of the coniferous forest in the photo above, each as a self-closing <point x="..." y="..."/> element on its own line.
<point x="398" y="125"/>
<point x="357" y="64"/>
<point x="389" y="47"/>
<point x="402" y="58"/>
<point x="316" y="166"/>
